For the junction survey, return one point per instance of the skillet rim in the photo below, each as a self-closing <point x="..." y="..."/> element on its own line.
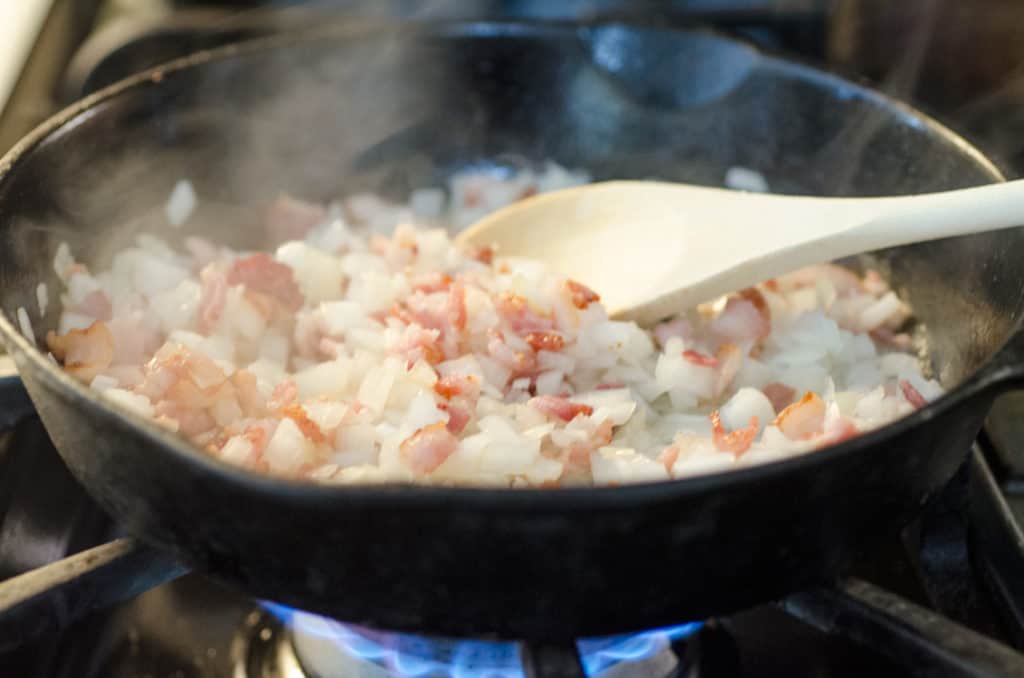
<point x="530" y="500"/>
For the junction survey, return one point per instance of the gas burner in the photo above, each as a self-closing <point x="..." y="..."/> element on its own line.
<point x="283" y="642"/>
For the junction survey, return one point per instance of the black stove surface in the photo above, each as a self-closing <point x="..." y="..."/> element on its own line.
<point x="928" y="603"/>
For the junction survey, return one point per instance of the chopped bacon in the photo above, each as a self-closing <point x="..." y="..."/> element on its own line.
<point x="738" y="441"/>
<point x="212" y="297"/>
<point x="528" y="192"/>
<point x="134" y="341"/>
<point x="250" y="399"/>
<point x="609" y="385"/>
<point x="772" y="285"/>
<point x="191" y="421"/>
<point x="742" y="319"/>
<point x="283" y="395"/>
<point x="912" y="395"/>
<point x="780" y="395"/>
<point x="288" y="218"/>
<point x="453" y="385"/>
<point x="730" y="360"/>
<point x="261" y="273"/>
<point x="581" y="295"/>
<point x="561" y="408"/>
<point x="95" y="304"/>
<point x="428" y="447"/>
<point x="754" y="296"/>
<point x="841" y="430"/>
<point x="545" y="341"/>
<point x="85" y="353"/>
<point x="428" y="283"/>
<point x="680" y="327"/>
<point x="521" y="318"/>
<point x="804" y="419"/>
<point x="669" y="456"/>
<point x="520" y="364"/>
<point x="458" y="417"/>
<point x="308" y="427"/>
<point x="485" y="255"/>
<point x="257" y="436"/>
<point x="700" y="359"/>
<point x="456" y="306"/>
<point x="473" y="197"/>
<point x="577" y="457"/>
<point x="263" y="303"/>
<point x="418" y="342"/>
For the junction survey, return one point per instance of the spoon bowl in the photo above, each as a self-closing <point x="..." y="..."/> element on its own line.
<point x="652" y="248"/>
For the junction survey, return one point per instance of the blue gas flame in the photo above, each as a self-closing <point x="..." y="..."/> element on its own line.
<point x="412" y="656"/>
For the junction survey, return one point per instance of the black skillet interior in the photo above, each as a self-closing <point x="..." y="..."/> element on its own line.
<point x="340" y="112"/>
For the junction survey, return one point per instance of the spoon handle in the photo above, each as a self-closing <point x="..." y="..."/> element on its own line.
<point x="891" y="222"/>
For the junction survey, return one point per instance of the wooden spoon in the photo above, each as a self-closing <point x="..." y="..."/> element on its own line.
<point x="651" y="248"/>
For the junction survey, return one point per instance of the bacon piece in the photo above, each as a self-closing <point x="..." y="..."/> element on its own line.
<point x="700" y="359"/>
<point x="428" y="447"/>
<point x="84" y="353"/>
<point x="212" y="297"/>
<point x="283" y="395"/>
<point x="485" y="255"/>
<point x="804" y="419"/>
<point x="577" y="457"/>
<point x="559" y="407"/>
<point x="680" y="327"/>
<point x="262" y="274"/>
<point x="458" y="417"/>
<point x="520" y="364"/>
<point x="308" y="427"/>
<point x="288" y="218"/>
<point x="428" y="283"/>
<point x="780" y="395"/>
<point x="744" y="317"/>
<point x="192" y="422"/>
<point x="456" y="306"/>
<point x="545" y="341"/>
<point x="516" y="311"/>
<point x="912" y="395"/>
<point x="97" y="305"/>
<point x="738" y="441"/>
<point x="669" y="456"/>
<point x="841" y="430"/>
<point x="418" y="342"/>
<point x="730" y="360"/>
<point x="609" y="386"/>
<point x="250" y="399"/>
<point x="528" y="192"/>
<point x="453" y="385"/>
<point x="257" y="435"/>
<point x="581" y="295"/>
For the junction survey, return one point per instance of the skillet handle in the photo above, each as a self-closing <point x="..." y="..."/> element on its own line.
<point x="49" y="598"/>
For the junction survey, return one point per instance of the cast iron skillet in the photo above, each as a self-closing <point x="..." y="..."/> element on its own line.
<point x="347" y="109"/>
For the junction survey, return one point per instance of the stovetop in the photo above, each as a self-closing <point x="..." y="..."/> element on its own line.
<point x="947" y="598"/>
